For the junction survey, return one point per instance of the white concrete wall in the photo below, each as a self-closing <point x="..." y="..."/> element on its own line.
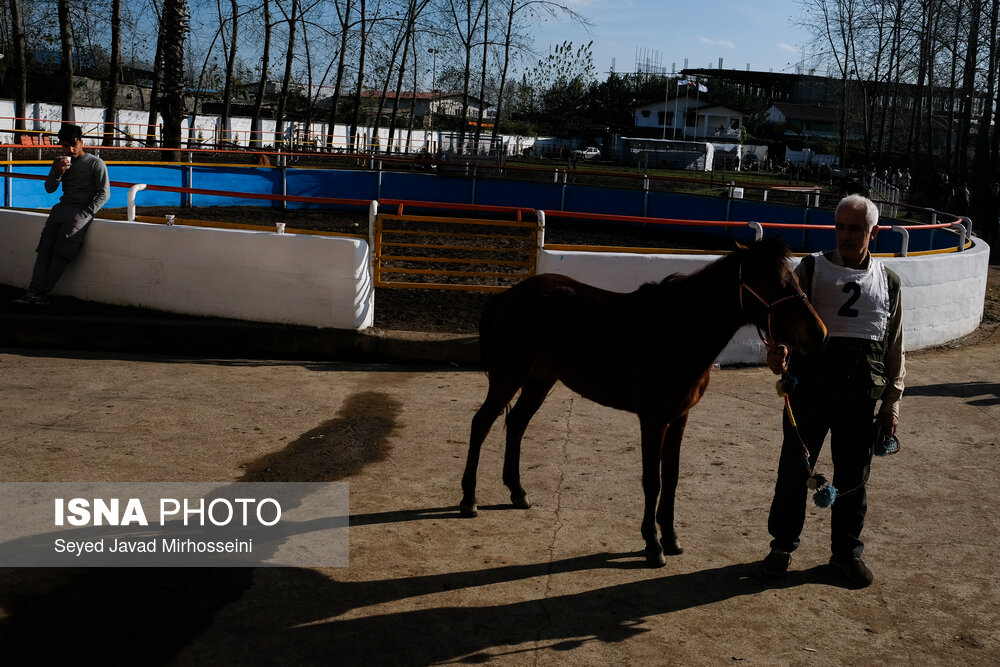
<point x="259" y="276"/>
<point x="943" y="294"/>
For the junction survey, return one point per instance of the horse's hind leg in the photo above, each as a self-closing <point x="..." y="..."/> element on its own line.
<point x="669" y="465"/>
<point x="532" y="396"/>
<point x="499" y="395"/>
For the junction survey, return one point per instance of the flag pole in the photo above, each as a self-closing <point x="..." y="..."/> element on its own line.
<point x="697" y="108"/>
<point x="687" y="107"/>
<point x="666" y="100"/>
<point x="677" y="97"/>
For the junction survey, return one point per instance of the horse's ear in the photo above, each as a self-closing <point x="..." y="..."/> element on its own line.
<point x="740" y="246"/>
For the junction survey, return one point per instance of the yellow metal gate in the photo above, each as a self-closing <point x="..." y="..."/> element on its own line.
<point x="417" y="251"/>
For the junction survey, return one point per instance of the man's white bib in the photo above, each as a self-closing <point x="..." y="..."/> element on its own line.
<point x="853" y="303"/>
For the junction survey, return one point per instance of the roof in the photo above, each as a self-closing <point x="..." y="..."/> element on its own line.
<point x="806" y="112"/>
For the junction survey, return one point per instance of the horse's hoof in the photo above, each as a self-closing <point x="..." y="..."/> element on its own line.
<point x="520" y="502"/>
<point x="654" y="557"/>
<point x="468" y="510"/>
<point x="672" y="547"/>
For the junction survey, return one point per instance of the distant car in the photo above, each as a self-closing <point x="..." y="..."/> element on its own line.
<point x="588" y="153"/>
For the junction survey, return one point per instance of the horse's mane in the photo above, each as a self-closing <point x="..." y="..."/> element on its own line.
<point x="767" y="255"/>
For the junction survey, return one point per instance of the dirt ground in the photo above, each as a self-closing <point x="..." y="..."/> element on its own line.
<point x="561" y="583"/>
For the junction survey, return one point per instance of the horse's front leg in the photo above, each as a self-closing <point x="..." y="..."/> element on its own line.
<point x="670" y="464"/>
<point x="653" y="429"/>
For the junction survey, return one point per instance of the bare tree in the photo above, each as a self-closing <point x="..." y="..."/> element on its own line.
<point x="362" y="8"/>
<point x="482" y="74"/>
<point x="344" y="20"/>
<point x="256" y="138"/>
<point x="399" y="45"/>
<point x="968" y="89"/>
<point x="414" y="9"/>
<point x="20" y="65"/>
<point x="832" y="24"/>
<point x="227" y="89"/>
<point x="154" y="93"/>
<point x="466" y="24"/>
<point x="66" y="49"/>
<point x="175" y="32"/>
<point x="292" y="20"/>
<point x="114" y="74"/>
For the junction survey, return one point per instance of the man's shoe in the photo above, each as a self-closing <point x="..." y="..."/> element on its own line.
<point x="776" y="563"/>
<point x="33" y="299"/>
<point x="854" y="569"/>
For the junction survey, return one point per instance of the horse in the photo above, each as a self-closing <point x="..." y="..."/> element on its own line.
<point x="649" y="352"/>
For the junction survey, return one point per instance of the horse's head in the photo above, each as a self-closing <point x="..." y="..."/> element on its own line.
<point x="771" y="298"/>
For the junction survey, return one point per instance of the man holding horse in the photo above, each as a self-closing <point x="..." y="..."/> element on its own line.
<point x="836" y="391"/>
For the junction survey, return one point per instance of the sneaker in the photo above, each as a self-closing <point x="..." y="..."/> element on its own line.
<point x="33" y="299"/>
<point x="776" y="563"/>
<point x="854" y="569"/>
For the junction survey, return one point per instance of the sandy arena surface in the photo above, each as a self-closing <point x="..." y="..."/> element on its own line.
<point x="561" y="583"/>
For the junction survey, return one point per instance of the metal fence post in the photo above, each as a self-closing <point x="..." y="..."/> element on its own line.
<point x="539" y="240"/>
<point x="130" y="205"/>
<point x="906" y="239"/>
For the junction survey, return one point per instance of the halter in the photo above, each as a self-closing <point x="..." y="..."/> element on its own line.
<point x="768" y="307"/>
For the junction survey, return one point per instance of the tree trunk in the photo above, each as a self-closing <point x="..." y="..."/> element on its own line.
<point x="345" y="24"/>
<point x="507" y="41"/>
<point x="361" y="77"/>
<point x="984" y="165"/>
<point x="154" y="93"/>
<point x="227" y="89"/>
<point x="256" y="135"/>
<point x="175" y="20"/>
<point x="969" y="92"/>
<point x="398" y="44"/>
<point x="951" y="92"/>
<point x="279" y="121"/>
<point x="20" y="66"/>
<point x="66" y="49"/>
<point x="482" y="78"/>
<point x="114" y="73"/>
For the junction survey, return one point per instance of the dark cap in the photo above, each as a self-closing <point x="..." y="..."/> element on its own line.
<point x="69" y="133"/>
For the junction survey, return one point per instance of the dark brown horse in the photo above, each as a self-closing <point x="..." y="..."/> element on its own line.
<point x="649" y="352"/>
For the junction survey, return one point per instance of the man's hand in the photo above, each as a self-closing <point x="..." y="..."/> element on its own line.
<point x="887" y="422"/>
<point x="777" y="358"/>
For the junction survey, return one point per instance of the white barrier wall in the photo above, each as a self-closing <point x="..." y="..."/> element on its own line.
<point x="309" y="280"/>
<point x="943" y="294"/>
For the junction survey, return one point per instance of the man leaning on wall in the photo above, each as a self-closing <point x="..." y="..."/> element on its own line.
<point x="86" y="189"/>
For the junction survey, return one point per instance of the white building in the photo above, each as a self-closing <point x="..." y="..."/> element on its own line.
<point x="688" y="116"/>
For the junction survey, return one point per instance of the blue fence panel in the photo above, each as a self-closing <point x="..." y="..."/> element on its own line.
<point x="427" y="187"/>
<point x="171" y="176"/>
<point x="26" y="193"/>
<point x="686" y="207"/>
<point x="513" y="193"/>
<point x="235" y="179"/>
<point x="328" y="183"/>
<point x="614" y="201"/>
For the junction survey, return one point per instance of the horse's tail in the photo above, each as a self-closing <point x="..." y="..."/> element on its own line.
<point x="486" y="331"/>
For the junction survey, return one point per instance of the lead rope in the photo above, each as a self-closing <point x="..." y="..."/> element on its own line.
<point x="827" y="493"/>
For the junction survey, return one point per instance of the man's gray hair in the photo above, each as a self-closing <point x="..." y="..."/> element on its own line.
<point x="860" y="202"/>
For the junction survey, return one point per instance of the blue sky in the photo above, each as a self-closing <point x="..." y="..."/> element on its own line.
<point x="759" y="32"/>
